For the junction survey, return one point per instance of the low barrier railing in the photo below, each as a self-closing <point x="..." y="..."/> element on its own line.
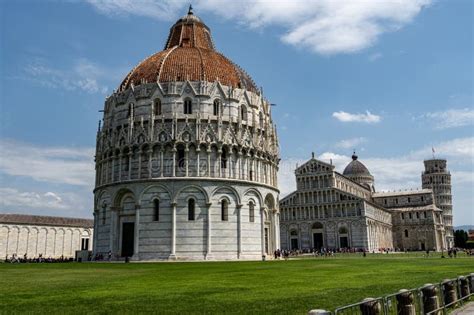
<point x="430" y="299"/>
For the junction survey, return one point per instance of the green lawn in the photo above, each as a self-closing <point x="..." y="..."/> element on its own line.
<point x="293" y="286"/>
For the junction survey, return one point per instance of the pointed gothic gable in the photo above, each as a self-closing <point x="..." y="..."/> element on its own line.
<point x="188" y="89"/>
<point x="314" y="166"/>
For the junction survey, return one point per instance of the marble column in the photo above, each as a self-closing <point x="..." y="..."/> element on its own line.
<point x="173" y="231"/>
<point x="239" y="230"/>
<point x="198" y="171"/>
<point x="136" y="247"/>
<point x="209" y="231"/>
<point x="262" y="230"/>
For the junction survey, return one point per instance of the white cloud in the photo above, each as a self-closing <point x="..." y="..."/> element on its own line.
<point x="322" y="26"/>
<point x="398" y="172"/>
<point x="350" y="143"/>
<point x="375" y="56"/>
<point x="163" y="9"/>
<point x="368" y="117"/>
<point x="451" y="118"/>
<point x="83" y="75"/>
<point x="13" y="198"/>
<point x="61" y="165"/>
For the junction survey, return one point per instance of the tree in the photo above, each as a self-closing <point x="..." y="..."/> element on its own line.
<point x="460" y="238"/>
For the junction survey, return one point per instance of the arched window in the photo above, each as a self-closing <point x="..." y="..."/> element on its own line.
<point x="188" y="106"/>
<point x="156" y="210"/>
<point x="261" y="120"/>
<point x="243" y="113"/>
<point x="130" y="110"/>
<point x="191" y="208"/>
<point x="180" y="157"/>
<point x="216" y="106"/>
<point x="224" y="159"/>
<point x="104" y="213"/>
<point x="157" y="107"/>
<point x="224" y="210"/>
<point x="406" y="233"/>
<point x="251" y="212"/>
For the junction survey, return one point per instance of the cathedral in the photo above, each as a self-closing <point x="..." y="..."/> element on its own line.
<point x="187" y="158"/>
<point x="333" y="210"/>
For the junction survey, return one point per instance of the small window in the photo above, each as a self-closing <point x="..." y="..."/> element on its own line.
<point x="224" y="159"/>
<point x="156" y="210"/>
<point x="180" y="157"/>
<point x="251" y="212"/>
<point x="130" y="110"/>
<point x="403" y="216"/>
<point x="243" y="113"/>
<point x="188" y="106"/>
<point x="424" y="214"/>
<point x="396" y="201"/>
<point x="104" y="213"/>
<point x="406" y="233"/>
<point x="216" y="106"/>
<point x="409" y="215"/>
<point x="409" y="199"/>
<point x="191" y="206"/>
<point x="417" y="215"/>
<point x="422" y="199"/>
<point x="385" y="201"/>
<point x="294" y="214"/>
<point x="157" y="107"/>
<point x="85" y="244"/>
<point x="224" y="210"/>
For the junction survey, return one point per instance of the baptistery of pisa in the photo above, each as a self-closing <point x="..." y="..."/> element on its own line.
<point x="187" y="158"/>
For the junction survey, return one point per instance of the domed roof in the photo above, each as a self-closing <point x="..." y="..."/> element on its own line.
<point x="356" y="168"/>
<point x="189" y="54"/>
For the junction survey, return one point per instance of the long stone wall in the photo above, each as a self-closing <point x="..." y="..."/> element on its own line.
<point x="50" y="241"/>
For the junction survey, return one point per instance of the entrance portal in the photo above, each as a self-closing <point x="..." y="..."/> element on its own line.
<point x="294" y="244"/>
<point x="318" y="240"/>
<point x="344" y="241"/>
<point x="128" y="231"/>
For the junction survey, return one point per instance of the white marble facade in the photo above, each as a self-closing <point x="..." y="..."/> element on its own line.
<point x="187" y="169"/>
<point x="50" y="236"/>
<point x="332" y="210"/>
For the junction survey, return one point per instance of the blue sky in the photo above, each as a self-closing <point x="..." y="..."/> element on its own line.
<point x="389" y="79"/>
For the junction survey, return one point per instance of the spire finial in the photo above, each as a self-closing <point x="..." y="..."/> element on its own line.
<point x="190" y="10"/>
<point x="354" y="156"/>
<point x="312" y="155"/>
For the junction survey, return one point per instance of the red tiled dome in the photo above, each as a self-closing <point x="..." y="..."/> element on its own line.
<point x="189" y="55"/>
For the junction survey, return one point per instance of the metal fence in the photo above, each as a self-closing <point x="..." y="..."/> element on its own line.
<point x="430" y="299"/>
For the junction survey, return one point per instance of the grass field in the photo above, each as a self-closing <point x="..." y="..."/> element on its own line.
<point x="286" y="287"/>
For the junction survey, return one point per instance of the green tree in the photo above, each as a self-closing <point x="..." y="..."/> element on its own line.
<point x="460" y="238"/>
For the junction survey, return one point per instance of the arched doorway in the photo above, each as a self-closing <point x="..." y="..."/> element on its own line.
<point x="124" y="219"/>
<point x="294" y="244"/>
<point x="343" y="237"/>
<point x="318" y="238"/>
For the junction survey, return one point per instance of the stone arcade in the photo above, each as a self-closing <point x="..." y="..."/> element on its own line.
<point x="187" y="158"/>
<point x="333" y="210"/>
<point x="53" y="237"/>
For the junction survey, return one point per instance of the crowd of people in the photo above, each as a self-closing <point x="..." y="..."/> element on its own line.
<point x="40" y="259"/>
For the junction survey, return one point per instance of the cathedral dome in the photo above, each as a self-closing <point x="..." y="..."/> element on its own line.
<point x="189" y="54"/>
<point x="356" y="168"/>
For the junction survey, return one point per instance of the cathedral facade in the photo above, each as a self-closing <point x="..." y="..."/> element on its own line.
<point x="333" y="210"/>
<point x="187" y="158"/>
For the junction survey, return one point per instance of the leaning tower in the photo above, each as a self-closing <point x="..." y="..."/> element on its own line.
<point x="437" y="177"/>
<point x="187" y="158"/>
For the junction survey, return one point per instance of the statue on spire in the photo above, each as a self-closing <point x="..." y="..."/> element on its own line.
<point x="190" y="10"/>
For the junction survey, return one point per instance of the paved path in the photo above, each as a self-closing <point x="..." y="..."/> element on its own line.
<point x="467" y="309"/>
